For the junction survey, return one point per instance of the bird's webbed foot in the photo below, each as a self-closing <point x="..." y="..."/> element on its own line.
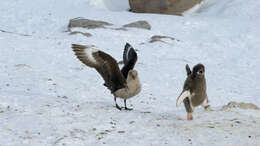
<point x="126" y="108"/>
<point x="118" y="107"/>
<point x="189" y="116"/>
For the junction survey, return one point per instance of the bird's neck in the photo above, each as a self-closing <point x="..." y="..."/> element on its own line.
<point x="133" y="85"/>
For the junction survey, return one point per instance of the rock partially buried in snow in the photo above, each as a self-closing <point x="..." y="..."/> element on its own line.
<point x="240" y="105"/>
<point x="87" y="23"/>
<point x="93" y="24"/>
<point x="22" y="66"/>
<point x="139" y="24"/>
<point x="83" y="33"/>
<point x="158" y="38"/>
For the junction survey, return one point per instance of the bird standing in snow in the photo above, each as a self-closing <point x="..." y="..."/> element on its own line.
<point x="194" y="90"/>
<point x="123" y="84"/>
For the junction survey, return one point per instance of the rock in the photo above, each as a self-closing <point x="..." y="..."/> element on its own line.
<point x="240" y="105"/>
<point x="101" y="133"/>
<point x="22" y="66"/>
<point x="174" y="7"/>
<point x="87" y="23"/>
<point x="83" y="33"/>
<point x="159" y="38"/>
<point x="139" y="24"/>
<point x="65" y="97"/>
<point x="131" y="122"/>
<point x="121" y="28"/>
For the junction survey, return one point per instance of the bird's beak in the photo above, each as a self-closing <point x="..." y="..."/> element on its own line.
<point x="200" y="72"/>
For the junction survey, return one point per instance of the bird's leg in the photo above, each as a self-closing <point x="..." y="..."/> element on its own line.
<point x="126" y="108"/>
<point x="118" y="107"/>
<point x="189" y="116"/>
<point x="188" y="108"/>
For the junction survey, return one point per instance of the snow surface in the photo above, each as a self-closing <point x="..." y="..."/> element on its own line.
<point x="49" y="98"/>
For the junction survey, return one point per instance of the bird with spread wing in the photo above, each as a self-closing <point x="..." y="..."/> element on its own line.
<point x="122" y="83"/>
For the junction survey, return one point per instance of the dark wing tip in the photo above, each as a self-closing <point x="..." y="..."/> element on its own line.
<point x="129" y="53"/>
<point x="77" y="47"/>
<point x="81" y="47"/>
<point x="126" y="50"/>
<point x="188" y="69"/>
<point x="73" y="46"/>
<point x="127" y="45"/>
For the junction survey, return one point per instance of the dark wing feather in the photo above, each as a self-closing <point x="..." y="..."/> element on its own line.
<point x="129" y="53"/>
<point x="188" y="70"/>
<point x="187" y="84"/>
<point x="105" y="64"/>
<point x="110" y="72"/>
<point x="129" y="59"/>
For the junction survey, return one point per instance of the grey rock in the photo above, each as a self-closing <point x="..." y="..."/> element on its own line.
<point x="159" y="38"/>
<point x="83" y="33"/>
<point x="121" y="28"/>
<point x="87" y="23"/>
<point x="22" y="66"/>
<point x="139" y="24"/>
<point x="240" y="105"/>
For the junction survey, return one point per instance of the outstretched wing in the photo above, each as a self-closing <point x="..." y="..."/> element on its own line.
<point x="129" y="53"/>
<point x="105" y="64"/>
<point x="129" y="59"/>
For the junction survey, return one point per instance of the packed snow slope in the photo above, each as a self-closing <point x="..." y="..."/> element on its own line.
<point x="49" y="98"/>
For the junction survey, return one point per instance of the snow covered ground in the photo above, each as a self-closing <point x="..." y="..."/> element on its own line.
<point x="49" y="98"/>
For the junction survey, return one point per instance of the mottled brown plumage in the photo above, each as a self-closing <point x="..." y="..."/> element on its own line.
<point x="120" y="86"/>
<point x="194" y="89"/>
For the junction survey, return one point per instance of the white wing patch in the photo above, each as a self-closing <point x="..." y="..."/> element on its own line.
<point x="128" y="49"/>
<point x="89" y="53"/>
<point x="182" y="97"/>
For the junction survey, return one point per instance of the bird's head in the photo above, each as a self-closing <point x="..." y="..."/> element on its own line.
<point x="198" y="71"/>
